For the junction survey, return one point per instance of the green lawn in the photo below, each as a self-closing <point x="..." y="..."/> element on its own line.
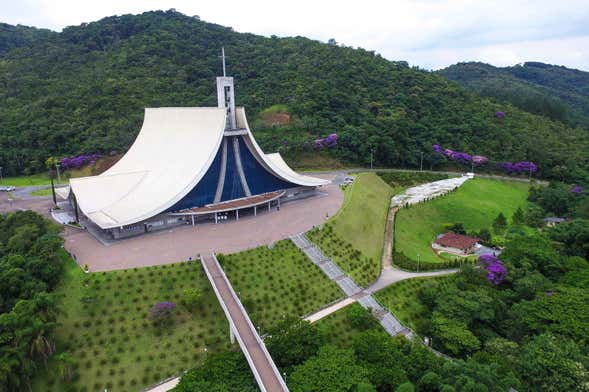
<point x="403" y="301"/>
<point x="41" y="192"/>
<point x="475" y="204"/>
<point x="106" y="329"/>
<point x="278" y="282"/>
<point x="33" y="180"/>
<point x="43" y="178"/>
<point x="354" y="236"/>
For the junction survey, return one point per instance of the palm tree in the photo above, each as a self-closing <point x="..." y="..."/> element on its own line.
<point x="65" y="366"/>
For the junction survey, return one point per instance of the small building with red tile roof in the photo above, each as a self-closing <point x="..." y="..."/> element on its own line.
<point x="455" y="243"/>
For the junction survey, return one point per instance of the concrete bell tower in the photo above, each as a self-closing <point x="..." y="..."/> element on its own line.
<point x="226" y="95"/>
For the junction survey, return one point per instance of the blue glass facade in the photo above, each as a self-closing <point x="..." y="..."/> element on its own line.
<point x="258" y="178"/>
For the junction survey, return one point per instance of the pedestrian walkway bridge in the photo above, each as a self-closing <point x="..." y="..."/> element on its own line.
<point x="240" y="326"/>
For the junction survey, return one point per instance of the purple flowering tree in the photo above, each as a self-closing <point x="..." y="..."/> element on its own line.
<point x="460" y="156"/>
<point x="161" y="312"/>
<point x="518" y="167"/>
<point x="500" y="115"/>
<point x="327" y="142"/>
<point x="577" y="189"/>
<point x="78" y="161"/>
<point x="496" y="271"/>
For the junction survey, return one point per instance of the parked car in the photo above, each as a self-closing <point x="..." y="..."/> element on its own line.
<point x="6" y="188"/>
<point x="348" y="180"/>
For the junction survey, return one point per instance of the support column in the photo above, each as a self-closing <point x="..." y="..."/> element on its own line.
<point x="279" y="203"/>
<point x="268" y="206"/>
<point x="192" y="220"/>
<point x="236" y="214"/>
<point x="255" y="210"/>
<point x="216" y="219"/>
<point x="231" y="334"/>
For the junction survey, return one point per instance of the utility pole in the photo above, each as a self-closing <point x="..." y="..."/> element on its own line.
<point x="58" y="175"/>
<point x="53" y="190"/>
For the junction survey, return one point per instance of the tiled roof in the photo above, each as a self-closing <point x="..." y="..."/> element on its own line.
<point x="458" y="241"/>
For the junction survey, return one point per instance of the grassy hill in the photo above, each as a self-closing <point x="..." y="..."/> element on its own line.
<point x="554" y="91"/>
<point x="475" y="204"/>
<point x="354" y="236"/>
<point x="84" y="90"/>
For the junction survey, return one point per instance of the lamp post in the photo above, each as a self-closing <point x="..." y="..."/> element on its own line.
<point x="58" y="174"/>
<point x="371" y="157"/>
<point x="0" y="174"/>
<point x="418" y="262"/>
<point x="421" y="162"/>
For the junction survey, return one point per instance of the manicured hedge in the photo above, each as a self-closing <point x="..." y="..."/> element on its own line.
<point x="404" y="262"/>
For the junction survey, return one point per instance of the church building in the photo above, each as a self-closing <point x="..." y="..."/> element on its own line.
<point x="187" y="164"/>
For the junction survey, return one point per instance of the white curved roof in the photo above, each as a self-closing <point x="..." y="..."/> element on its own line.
<point x="274" y="162"/>
<point x="172" y="152"/>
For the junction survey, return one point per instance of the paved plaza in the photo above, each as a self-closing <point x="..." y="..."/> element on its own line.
<point x="180" y="243"/>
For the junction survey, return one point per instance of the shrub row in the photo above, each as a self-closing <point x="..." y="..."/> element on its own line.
<point x="404" y="262"/>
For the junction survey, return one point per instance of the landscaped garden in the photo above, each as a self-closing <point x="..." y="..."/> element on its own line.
<point x="113" y="335"/>
<point x="475" y="204"/>
<point x="402" y="299"/>
<point x="354" y="237"/>
<point x="277" y="283"/>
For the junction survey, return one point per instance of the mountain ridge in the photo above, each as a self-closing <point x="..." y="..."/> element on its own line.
<point x="84" y="90"/>
<point x="555" y="91"/>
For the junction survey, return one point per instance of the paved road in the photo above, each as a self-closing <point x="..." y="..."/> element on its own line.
<point x="259" y="359"/>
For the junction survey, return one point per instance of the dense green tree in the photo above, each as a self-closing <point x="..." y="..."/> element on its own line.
<point x="359" y="318"/>
<point x="563" y="311"/>
<point x="518" y="217"/>
<point x="382" y="359"/>
<point x="556" y="198"/>
<point x="551" y="363"/>
<point x="454" y="335"/>
<point x="222" y="372"/>
<point x="574" y="236"/>
<point x="576" y="272"/>
<point x="500" y="224"/>
<point x="331" y="370"/>
<point x="293" y="341"/>
<point x="534" y="216"/>
<point x="30" y="266"/>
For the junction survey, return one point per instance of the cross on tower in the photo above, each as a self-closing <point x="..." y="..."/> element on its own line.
<point x="225" y="95"/>
<point x="223" y="57"/>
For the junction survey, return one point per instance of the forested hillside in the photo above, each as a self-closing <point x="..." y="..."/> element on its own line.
<point x="554" y="91"/>
<point x="16" y="36"/>
<point x="84" y="90"/>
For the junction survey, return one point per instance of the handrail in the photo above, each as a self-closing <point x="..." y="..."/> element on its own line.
<point x="249" y="323"/>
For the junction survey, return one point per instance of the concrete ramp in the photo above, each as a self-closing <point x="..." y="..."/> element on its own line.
<point x="265" y="371"/>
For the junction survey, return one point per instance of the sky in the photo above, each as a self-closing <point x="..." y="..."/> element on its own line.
<point x="431" y="34"/>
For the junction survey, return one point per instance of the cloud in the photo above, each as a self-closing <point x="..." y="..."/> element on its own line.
<point x="428" y="33"/>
